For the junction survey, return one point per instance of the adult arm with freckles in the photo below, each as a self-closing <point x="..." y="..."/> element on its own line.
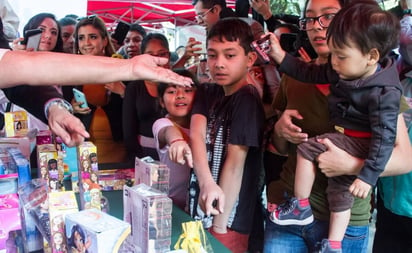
<point x="48" y="68"/>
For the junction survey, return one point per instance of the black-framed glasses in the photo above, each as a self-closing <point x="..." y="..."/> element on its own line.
<point x="202" y="16"/>
<point x="308" y="23"/>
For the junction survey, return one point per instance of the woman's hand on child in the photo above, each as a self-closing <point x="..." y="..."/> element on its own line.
<point x="360" y="189"/>
<point x="337" y="162"/>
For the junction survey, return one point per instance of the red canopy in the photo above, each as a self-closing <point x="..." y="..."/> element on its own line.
<point x="147" y="12"/>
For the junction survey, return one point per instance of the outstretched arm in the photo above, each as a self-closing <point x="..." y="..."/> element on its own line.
<point x="47" y="68"/>
<point x="209" y="190"/>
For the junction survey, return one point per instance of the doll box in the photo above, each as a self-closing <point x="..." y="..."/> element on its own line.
<point x="149" y="211"/>
<point x="152" y="173"/>
<point x="16" y="123"/>
<point x="99" y="231"/>
<point x="9" y="216"/>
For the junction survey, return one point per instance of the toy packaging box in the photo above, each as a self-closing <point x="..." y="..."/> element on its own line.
<point x="152" y="173"/>
<point x="88" y="175"/>
<point x="149" y="211"/>
<point x="16" y="123"/>
<point x="9" y="217"/>
<point x="92" y="230"/>
<point x="48" y="169"/>
<point x="60" y="205"/>
<point x="25" y="143"/>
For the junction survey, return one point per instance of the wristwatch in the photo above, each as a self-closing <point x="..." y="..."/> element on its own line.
<point x="59" y="102"/>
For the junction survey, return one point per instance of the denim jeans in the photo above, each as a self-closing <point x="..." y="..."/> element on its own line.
<point x="303" y="239"/>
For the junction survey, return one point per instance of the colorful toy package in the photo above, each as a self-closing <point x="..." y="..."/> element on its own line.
<point x="88" y="174"/>
<point x="9" y="217"/>
<point x="60" y="205"/>
<point x="92" y="230"/>
<point x="16" y="123"/>
<point x="152" y="173"/>
<point x="149" y="211"/>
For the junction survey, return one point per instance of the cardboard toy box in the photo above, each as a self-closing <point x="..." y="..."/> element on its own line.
<point x="9" y="216"/>
<point x="88" y="176"/>
<point x="152" y="173"/>
<point x="48" y="169"/>
<point x="149" y="212"/>
<point x="99" y="231"/>
<point x="60" y="205"/>
<point x="16" y="123"/>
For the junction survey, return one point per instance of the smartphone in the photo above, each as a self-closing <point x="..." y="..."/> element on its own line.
<point x="32" y="39"/>
<point x="80" y="97"/>
<point x="120" y="32"/>
<point x="262" y="47"/>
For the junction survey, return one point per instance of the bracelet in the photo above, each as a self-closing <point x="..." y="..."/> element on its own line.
<point x="176" y="140"/>
<point x="59" y="102"/>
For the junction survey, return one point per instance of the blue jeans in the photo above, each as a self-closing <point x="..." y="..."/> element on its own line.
<point x="303" y="239"/>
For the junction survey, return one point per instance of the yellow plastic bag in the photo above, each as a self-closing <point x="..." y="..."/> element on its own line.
<point x="193" y="239"/>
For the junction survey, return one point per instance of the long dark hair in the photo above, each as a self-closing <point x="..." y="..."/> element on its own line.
<point x="35" y="22"/>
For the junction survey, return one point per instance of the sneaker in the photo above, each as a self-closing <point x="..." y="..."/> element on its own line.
<point x="325" y="247"/>
<point x="291" y="213"/>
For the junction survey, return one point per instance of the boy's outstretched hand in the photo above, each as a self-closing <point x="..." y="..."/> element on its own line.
<point x="360" y="189"/>
<point x="211" y="199"/>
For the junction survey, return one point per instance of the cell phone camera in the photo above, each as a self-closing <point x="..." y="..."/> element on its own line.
<point x="262" y="47"/>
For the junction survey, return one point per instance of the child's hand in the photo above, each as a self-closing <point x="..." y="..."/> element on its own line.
<point x="276" y="52"/>
<point x="211" y="198"/>
<point x="360" y="189"/>
<point x="180" y="152"/>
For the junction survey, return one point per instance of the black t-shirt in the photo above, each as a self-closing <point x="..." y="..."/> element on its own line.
<point x="237" y="119"/>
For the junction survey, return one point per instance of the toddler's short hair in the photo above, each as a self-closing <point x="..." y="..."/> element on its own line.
<point x="367" y="26"/>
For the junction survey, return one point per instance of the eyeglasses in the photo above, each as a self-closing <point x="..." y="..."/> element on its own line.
<point x="202" y="16"/>
<point x="90" y="17"/>
<point x="308" y="23"/>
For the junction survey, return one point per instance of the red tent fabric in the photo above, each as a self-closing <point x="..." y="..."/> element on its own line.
<point x="147" y="12"/>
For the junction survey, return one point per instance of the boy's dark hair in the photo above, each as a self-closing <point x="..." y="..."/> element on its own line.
<point x="154" y="36"/>
<point x="367" y="26"/>
<point x="36" y="20"/>
<point x="67" y="21"/>
<point x="239" y="30"/>
<point x="161" y="87"/>
<point x="135" y="27"/>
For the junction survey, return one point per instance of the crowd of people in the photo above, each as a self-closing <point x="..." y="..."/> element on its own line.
<point x="325" y="127"/>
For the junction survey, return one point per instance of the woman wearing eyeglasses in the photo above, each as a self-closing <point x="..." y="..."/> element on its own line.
<point x="141" y="106"/>
<point x="92" y="38"/>
<point x="305" y="114"/>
